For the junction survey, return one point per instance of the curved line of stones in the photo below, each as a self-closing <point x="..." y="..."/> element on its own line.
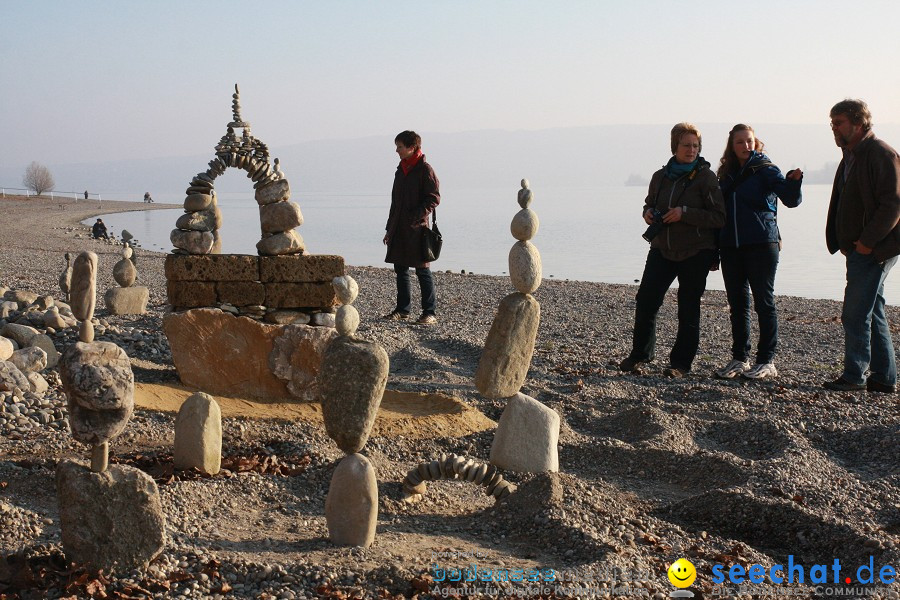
<point x="458" y="467"/>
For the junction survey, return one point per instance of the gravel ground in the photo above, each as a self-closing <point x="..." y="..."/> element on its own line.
<point x="652" y="469"/>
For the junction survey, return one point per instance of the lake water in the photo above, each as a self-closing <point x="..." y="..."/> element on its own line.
<point x="591" y="234"/>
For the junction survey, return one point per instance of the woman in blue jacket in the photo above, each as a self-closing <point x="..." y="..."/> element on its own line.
<point x="750" y="244"/>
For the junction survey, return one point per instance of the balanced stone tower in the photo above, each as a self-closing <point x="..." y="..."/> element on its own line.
<point x="528" y="431"/>
<point x="197" y="231"/>
<point x="108" y="515"/>
<point x="65" y="278"/>
<point x="352" y="381"/>
<point x="128" y="299"/>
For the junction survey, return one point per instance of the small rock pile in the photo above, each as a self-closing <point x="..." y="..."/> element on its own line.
<point x="352" y="381"/>
<point x="528" y="431"/>
<point x="128" y="299"/>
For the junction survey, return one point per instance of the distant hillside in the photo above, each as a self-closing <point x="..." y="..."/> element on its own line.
<point x="568" y="157"/>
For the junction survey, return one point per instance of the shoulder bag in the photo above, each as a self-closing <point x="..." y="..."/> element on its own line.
<point x="432" y="240"/>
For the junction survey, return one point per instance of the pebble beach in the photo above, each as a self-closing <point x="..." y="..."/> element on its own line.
<point x="652" y="469"/>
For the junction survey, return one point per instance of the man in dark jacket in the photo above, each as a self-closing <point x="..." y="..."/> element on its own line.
<point x="863" y="224"/>
<point x="415" y="195"/>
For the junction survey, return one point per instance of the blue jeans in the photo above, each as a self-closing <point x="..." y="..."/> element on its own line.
<point x="659" y="273"/>
<point x="867" y="336"/>
<point x="744" y="269"/>
<point x="404" y="291"/>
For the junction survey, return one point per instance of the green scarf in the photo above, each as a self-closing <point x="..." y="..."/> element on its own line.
<point x="675" y="169"/>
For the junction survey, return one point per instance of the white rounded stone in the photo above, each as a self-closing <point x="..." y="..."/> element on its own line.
<point x="525" y="224"/>
<point x="127" y="252"/>
<point x="347" y="320"/>
<point x="525" y="267"/>
<point x="346" y="288"/>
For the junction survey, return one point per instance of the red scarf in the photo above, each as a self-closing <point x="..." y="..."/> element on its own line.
<point x="408" y="163"/>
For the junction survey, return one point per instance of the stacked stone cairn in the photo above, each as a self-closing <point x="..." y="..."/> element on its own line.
<point x="128" y="299"/>
<point x="198" y="435"/>
<point x="528" y="431"/>
<point x="65" y="278"/>
<point x="197" y="231"/>
<point x="351" y="382"/>
<point x="108" y="515"/>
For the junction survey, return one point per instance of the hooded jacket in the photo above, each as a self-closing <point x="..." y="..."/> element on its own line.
<point x="704" y="212"/>
<point x="751" y="196"/>
<point x="866" y="208"/>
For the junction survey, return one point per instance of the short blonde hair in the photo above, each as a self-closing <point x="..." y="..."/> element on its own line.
<point x="682" y="128"/>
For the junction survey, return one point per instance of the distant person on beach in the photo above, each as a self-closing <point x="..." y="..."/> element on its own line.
<point x="862" y="223"/>
<point x="147" y="197"/>
<point x="98" y="230"/>
<point x="683" y="210"/>
<point x="415" y="195"/>
<point x="85" y="195"/>
<point x="749" y="246"/>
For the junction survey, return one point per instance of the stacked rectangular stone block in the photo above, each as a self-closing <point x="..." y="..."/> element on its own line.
<point x="296" y="282"/>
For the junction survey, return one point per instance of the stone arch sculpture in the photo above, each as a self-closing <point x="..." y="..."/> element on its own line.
<point x="197" y="231"/>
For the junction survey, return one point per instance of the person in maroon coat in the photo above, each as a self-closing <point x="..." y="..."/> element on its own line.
<point x="415" y="195"/>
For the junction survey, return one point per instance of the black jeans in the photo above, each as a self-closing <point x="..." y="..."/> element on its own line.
<point x="746" y="269"/>
<point x="404" y="291"/>
<point x="659" y="273"/>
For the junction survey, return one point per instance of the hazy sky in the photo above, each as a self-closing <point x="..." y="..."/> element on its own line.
<point x="101" y="80"/>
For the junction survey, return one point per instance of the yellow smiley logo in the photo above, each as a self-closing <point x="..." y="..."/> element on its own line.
<point x="682" y="573"/>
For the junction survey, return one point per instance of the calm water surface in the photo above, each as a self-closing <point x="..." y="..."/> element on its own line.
<point x="591" y="234"/>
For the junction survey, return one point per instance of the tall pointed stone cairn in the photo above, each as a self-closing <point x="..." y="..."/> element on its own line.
<point x="528" y="431"/>
<point x="108" y="514"/>
<point x="352" y="380"/>
<point x="197" y="231"/>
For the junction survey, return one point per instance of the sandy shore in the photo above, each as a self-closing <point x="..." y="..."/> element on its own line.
<point x="652" y="469"/>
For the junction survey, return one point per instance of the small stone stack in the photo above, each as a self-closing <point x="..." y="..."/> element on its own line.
<point x="65" y="278"/>
<point x="528" y="431"/>
<point x="108" y="515"/>
<point x="197" y="230"/>
<point x="352" y="381"/>
<point x="128" y="299"/>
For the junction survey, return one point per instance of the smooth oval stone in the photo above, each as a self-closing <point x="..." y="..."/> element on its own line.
<point x="124" y="272"/>
<point x="525" y="267"/>
<point x="524" y="225"/>
<point x="345" y="288"/>
<point x="196" y="202"/>
<point x="86" y="331"/>
<point x="198" y="435"/>
<point x="351" y="507"/>
<point x="127" y="252"/>
<point x="83" y="295"/>
<point x="193" y="242"/>
<point x="346" y="320"/>
<point x="279" y="216"/>
<point x="509" y="346"/>
<point x="197" y="189"/>
<point x="288" y="242"/>
<point x="351" y="382"/>
<point x="525" y="197"/>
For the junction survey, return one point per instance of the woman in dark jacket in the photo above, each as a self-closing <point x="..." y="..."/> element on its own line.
<point x="750" y="246"/>
<point x="685" y="204"/>
<point x="415" y="195"/>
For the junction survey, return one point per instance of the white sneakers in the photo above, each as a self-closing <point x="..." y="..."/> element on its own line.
<point x="732" y="369"/>
<point x="757" y="371"/>
<point x="761" y="371"/>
